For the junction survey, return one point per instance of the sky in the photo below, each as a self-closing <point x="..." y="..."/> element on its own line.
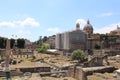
<point x="31" y="19"/>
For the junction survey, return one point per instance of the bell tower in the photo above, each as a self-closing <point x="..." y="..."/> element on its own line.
<point x="77" y="26"/>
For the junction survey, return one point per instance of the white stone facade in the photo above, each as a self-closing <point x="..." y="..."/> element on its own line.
<point x="69" y="41"/>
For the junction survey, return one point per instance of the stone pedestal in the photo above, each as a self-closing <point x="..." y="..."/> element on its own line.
<point x="77" y="73"/>
<point x="118" y="74"/>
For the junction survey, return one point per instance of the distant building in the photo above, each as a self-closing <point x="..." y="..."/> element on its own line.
<point x="30" y="45"/>
<point x="86" y="39"/>
<point x="78" y="39"/>
<point x="115" y="43"/>
<point x="116" y="32"/>
<point x="51" y="41"/>
<point x="27" y="43"/>
<point x="72" y="40"/>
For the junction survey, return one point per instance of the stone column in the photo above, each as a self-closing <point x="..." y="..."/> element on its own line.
<point x="8" y="51"/>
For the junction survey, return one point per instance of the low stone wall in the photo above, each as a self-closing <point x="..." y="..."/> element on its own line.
<point x="112" y="52"/>
<point x="102" y="69"/>
<point x="80" y="73"/>
<point x="12" y="73"/>
<point x="35" y="69"/>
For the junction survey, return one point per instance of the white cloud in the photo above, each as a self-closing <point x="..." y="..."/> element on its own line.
<point x="105" y="14"/>
<point x="30" y="22"/>
<point x="54" y="30"/>
<point x="82" y="22"/>
<point x="7" y="24"/>
<point x="107" y="29"/>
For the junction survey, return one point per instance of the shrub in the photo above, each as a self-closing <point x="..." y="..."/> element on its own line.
<point x="2" y="55"/>
<point x="77" y="55"/>
<point x="44" y="48"/>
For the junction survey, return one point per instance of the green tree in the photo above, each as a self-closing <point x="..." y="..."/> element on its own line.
<point x="77" y="55"/>
<point x="12" y="42"/>
<point x="44" y="48"/>
<point x="97" y="46"/>
<point x="44" y="38"/>
<point x="20" y="43"/>
<point x="2" y="42"/>
<point x="40" y="41"/>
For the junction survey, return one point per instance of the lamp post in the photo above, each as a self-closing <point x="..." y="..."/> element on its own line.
<point x="7" y="59"/>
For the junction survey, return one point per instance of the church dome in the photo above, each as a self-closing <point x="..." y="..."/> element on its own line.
<point x="88" y="28"/>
